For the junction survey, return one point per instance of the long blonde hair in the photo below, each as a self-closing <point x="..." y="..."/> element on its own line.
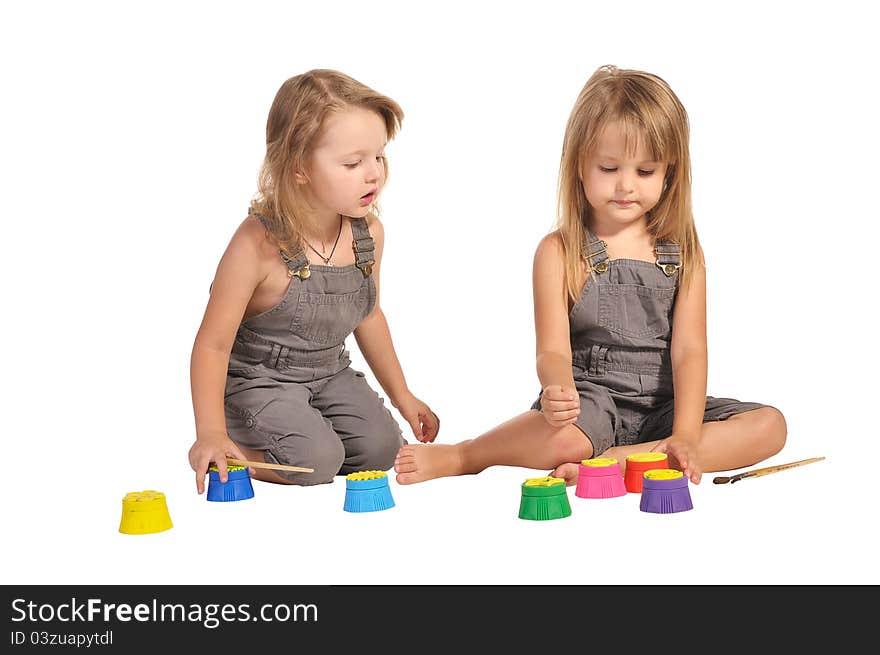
<point x="296" y="117"/>
<point x="649" y="110"/>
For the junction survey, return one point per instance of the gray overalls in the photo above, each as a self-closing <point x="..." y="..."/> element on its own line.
<point x="621" y="331"/>
<point x="290" y="391"/>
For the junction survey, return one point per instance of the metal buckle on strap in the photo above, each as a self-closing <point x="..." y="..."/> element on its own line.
<point x="669" y="269"/>
<point x="303" y="274"/>
<point x="602" y="266"/>
<point x="357" y="249"/>
<point x="366" y="267"/>
<point x="667" y="250"/>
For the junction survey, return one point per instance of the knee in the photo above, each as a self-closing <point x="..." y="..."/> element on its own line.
<point x="569" y="444"/>
<point x="376" y="450"/>
<point x="325" y="456"/>
<point x="772" y="428"/>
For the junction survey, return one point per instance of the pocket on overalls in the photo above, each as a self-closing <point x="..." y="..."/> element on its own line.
<point x="634" y="310"/>
<point x="328" y="318"/>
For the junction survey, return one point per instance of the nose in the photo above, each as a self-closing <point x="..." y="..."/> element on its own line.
<point x="374" y="171"/>
<point x="625" y="181"/>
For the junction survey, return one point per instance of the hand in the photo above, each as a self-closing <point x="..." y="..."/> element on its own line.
<point x="424" y="423"/>
<point x="212" y="447"/>
<point x="560" y="405"/>
<point x="682" y="452"/>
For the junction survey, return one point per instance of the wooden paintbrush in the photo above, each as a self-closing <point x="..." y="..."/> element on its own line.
<point x="266" y="465"/>
<point x="722" y="479"/>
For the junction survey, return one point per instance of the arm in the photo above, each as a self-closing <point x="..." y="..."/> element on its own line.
<point x="238" y="274"/>
<point x="559" y="398"/>
<point x="374" y="340"/>
<point x="689" y="372"/>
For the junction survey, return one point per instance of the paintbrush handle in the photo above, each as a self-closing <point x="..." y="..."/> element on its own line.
<point x="266" y="465"/>
<point x="773" y="469"/>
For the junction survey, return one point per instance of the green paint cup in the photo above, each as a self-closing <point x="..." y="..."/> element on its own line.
<point x="544" y="499"/>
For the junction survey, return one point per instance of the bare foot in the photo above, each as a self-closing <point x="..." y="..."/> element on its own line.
<point x="420" y="462"/>
<point x="568" y="471"/>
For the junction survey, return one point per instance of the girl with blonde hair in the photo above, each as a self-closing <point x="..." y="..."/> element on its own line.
<point x="620" y="309"/>
<point x="270" y="375"/>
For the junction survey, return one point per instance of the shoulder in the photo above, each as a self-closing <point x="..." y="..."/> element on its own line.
<point x="550" y="250"/>
<point x="376" y="229"/>
<point x="374" y="225"/>
<point x="251" y="241"/>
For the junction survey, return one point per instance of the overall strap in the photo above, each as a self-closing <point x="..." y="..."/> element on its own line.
<point x="297" y="263"/>
<point x="362" y="244"/>
<point x="668" y="256"/>
<point x="595" y="252"/>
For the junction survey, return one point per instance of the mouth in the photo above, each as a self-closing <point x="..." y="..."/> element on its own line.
<point x="367" y="198"/>
<point x="623" y="203"/>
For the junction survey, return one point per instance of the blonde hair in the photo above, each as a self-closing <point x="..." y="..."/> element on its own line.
<point x="296" y="117"/>
<point x="647" y="109"/>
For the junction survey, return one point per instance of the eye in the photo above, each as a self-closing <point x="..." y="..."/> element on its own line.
<point x="380" y="159"/>
<point x="352" y="165"/>
<point x="605" y="169"/>
<point x="645" y="173"/>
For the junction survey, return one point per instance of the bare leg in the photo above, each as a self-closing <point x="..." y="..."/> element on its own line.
<point x="526" y="440"/>
<point x="741" y="440"/>
<point x="266" y="475"/>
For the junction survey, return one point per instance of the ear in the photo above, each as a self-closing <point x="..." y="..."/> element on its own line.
<point x="301" y="177"/>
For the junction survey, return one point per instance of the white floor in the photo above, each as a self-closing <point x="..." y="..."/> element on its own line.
<point x="807" y="525"/>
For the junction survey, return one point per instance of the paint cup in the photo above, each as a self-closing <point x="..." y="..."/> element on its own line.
<point x="367" y="491"/>
<point x="237" y="486"/>
<point x="637" y="464"/>
<point x="665" y="491"/>
<point x="144" y="512"/>
<point x="544" y="499"/>
<point x="600" y="477"/>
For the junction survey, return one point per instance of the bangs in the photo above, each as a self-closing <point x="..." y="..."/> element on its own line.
<point x="640" y="128"/>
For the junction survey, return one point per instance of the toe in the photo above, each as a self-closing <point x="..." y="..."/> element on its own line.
<point x="404" y="466"/>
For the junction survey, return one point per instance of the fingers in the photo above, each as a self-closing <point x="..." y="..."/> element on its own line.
<point x="660" y="447"/>
<point x="201" y="469"/>
<point x="430" y="426"/>
<point x="560" y="405"/>
<point x="562" y="417"/>
<point x="237" y="454"/>
<point x="690" y="468"/>
<point x="416" y="427"/>
<point x="558" y="423"/>
<point x="556" y="392"/>
<point x="560" y="411"/>
<point x="222" y="469"/>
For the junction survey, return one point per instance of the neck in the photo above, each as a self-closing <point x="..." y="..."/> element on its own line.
<point x="324" y="230"/>
<point x="612" y="230"/>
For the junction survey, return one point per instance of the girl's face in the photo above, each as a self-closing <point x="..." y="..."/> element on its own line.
<point x="346" y="169"/>
<point x="621" y="186"/>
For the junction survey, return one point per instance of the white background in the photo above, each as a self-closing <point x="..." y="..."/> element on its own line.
<point x="131" y="140"/>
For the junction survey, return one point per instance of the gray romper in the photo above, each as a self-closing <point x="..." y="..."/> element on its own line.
<point x="621" y="331"/>
<point x="290" y="391"/>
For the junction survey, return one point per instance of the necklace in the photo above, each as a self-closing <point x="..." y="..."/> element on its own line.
<point x="326" y="259"/>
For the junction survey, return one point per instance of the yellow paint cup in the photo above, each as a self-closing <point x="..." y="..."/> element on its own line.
<point x="144" y="512"/>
